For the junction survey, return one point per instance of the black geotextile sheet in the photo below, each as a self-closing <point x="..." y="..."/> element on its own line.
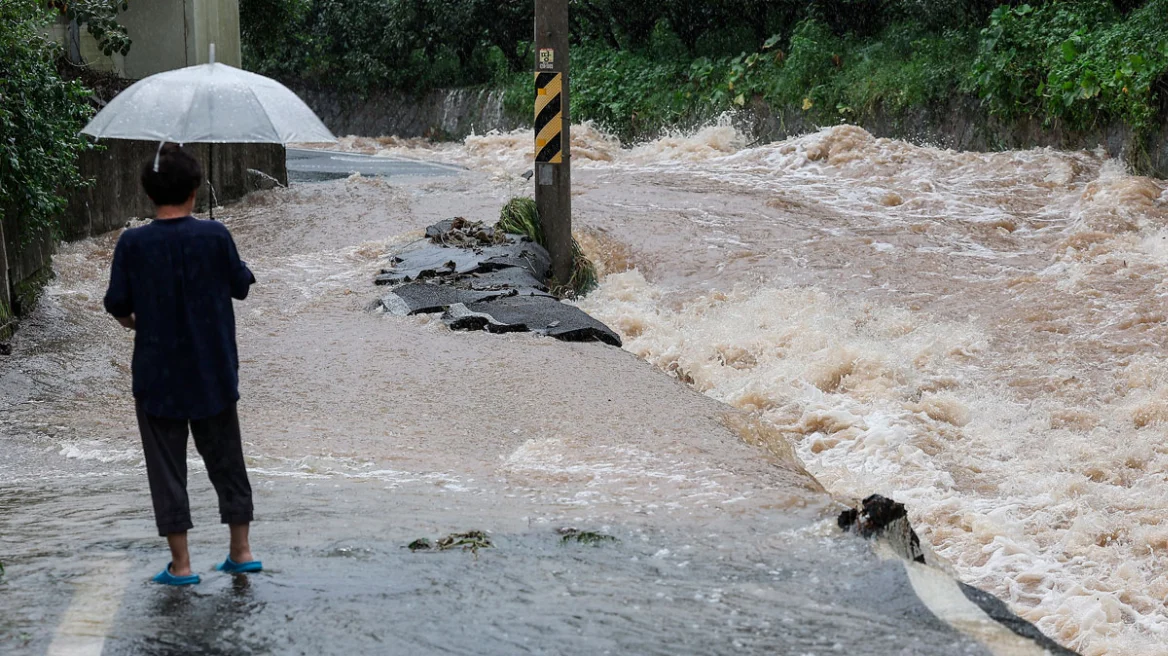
<point x="498" y="287"/>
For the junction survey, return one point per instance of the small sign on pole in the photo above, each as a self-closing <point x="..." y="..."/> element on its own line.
<point x="547" y="59"/>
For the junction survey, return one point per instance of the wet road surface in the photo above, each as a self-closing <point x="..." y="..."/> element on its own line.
<point x="310" y="165"/>
<point x="340" y="580"/>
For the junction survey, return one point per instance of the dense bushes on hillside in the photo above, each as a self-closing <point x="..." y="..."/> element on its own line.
<point x="641" y="64"/>
<point x="406" y="44"/>
<point x="426" y="43"/>
<point x="40" y="115"/>
<point x="1075" y="61"/>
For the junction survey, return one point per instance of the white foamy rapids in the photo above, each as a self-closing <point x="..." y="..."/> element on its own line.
<point x="507" y="153"/>
<point x="877" y="400"/>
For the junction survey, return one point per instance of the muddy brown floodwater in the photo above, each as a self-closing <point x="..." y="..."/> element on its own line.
<point x="979" y="336"/>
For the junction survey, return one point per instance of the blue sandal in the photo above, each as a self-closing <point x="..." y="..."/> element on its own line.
<point x="166" y="578"/>
<point x="232" y="567"/>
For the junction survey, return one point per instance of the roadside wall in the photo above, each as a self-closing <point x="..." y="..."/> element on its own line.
<point x="116" y="196"/>
<point x="112" y="200"/>
<point x="440" y="114"/>
<point x="962" y="124"/>
<point x="24" y="267"/>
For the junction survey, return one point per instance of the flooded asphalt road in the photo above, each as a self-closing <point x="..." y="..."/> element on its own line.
<point x="340" y="581"/>
<point x="311" y="165"/>
<point x="366" y="432"/>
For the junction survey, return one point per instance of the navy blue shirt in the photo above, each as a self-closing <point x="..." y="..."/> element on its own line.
<point x="177" y="277"/>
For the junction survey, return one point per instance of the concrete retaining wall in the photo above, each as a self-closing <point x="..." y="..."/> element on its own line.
<point x="117" y="195"/>
<point x="442" y="114"/>
<point x="25" y="266"/>
<point x="962" y="124"/>
<point x="115" y="198"/>
<point x="166" y="35"/>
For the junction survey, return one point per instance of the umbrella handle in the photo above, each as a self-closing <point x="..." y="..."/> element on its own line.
<point x="211" y="167"/>
<point x="158" y="154"/>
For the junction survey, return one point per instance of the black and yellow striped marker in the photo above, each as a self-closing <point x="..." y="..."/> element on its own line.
<point x="549" y="118"/>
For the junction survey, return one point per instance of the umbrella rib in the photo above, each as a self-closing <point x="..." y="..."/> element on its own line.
<point x="187" y="115"/>
<point x="130" y="93"/>
<point x="264" y="111"/>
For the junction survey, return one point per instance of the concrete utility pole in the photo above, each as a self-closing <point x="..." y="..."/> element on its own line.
<point x="553" y="153"/>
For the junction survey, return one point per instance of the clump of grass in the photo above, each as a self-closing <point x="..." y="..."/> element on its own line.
<point x="591" y="538"/>
<point x="520" y="216"/>
<point x="469" y="541"/>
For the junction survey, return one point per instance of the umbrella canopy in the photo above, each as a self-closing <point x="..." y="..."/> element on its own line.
<point x="210" y="103"/>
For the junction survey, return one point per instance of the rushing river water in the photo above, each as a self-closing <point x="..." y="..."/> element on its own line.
<point x="980" y="336"/>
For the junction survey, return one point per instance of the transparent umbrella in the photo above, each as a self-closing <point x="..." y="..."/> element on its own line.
<point x="211" y="103"/>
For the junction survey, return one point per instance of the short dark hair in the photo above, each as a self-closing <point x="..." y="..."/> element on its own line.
<point x="176" y="176"/>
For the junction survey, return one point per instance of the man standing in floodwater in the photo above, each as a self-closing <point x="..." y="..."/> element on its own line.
<point x="172" y="282"/>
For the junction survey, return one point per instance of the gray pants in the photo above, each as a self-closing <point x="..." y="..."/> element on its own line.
<point x="164" y="441"/>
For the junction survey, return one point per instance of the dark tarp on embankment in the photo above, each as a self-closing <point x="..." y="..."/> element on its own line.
<point x="483" y="280"/>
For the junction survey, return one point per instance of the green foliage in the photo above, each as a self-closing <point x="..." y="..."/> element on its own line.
<point x="404" y="44"/>
<point x="520" y="217"/>
<point x="643" y="65"/>
<point x="1079" y="62"/>
<point x="831" y="77"/>
<point x="40" y="116"/>
<point x="628" y="92"/>
<point x="100" y="18"/>
<point x="907" y="66"/>
<point x="518" y="91"/>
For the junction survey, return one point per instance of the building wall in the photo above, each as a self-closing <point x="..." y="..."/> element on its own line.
<point x="165" y="35"/>
<point x="159" y="33"/>
<point x="86" y="46"/>
<point x="214" y="21"/>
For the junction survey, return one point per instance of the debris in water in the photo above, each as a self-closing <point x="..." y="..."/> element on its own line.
<point x="881" y="517"/>
<point x="584" y="537"/>
<point x="469" y="541"/>
<point x="463" y="233"/>
<point x="520" y="216"/>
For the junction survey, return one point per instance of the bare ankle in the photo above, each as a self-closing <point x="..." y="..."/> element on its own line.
<point x="240" y="545"/>
<point x="180" y="556"/>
